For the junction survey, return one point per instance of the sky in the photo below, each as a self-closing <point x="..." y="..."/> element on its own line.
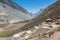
<point x="34" y="6"/>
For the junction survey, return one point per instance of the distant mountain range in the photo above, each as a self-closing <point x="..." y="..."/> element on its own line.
<point x="35" y="15"/>
<point x="13" y="12"/>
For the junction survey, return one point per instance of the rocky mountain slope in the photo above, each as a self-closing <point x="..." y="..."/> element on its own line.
<point x="12" y="12"/>
<point x="14" y="5"/>
<point x="52" y="11"/>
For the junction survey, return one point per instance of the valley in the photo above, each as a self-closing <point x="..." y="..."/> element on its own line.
<point x="16" y="23"/>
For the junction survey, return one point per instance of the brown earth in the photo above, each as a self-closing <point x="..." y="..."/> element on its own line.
<point x="55" y="36"/>
<point x="16" y="26"/>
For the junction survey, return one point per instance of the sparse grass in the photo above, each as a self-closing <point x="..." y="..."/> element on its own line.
<point x="3" y="25"/>
<point x="7" y="33"/>
<point x="25" y="27"/>
<point x="41" y="18"/>
<point x="11" y="32"/>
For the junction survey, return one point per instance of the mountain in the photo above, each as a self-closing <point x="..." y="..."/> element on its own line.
<point x="35" y="15"/>
<point x="52" y="11"/>
<point x="12" y="12"/>
<point x="14" y="5"/>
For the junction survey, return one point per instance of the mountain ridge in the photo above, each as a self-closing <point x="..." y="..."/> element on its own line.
<point x="12" y="11"/>
<point x="14" y="5"/>
<point x="52" y="11"/>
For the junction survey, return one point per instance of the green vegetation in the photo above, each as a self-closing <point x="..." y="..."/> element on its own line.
<point x="3" y="25"/>
<point x="52" y="12"/>
<point x="11" y="32"/>
<point x="26" y="27"/>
